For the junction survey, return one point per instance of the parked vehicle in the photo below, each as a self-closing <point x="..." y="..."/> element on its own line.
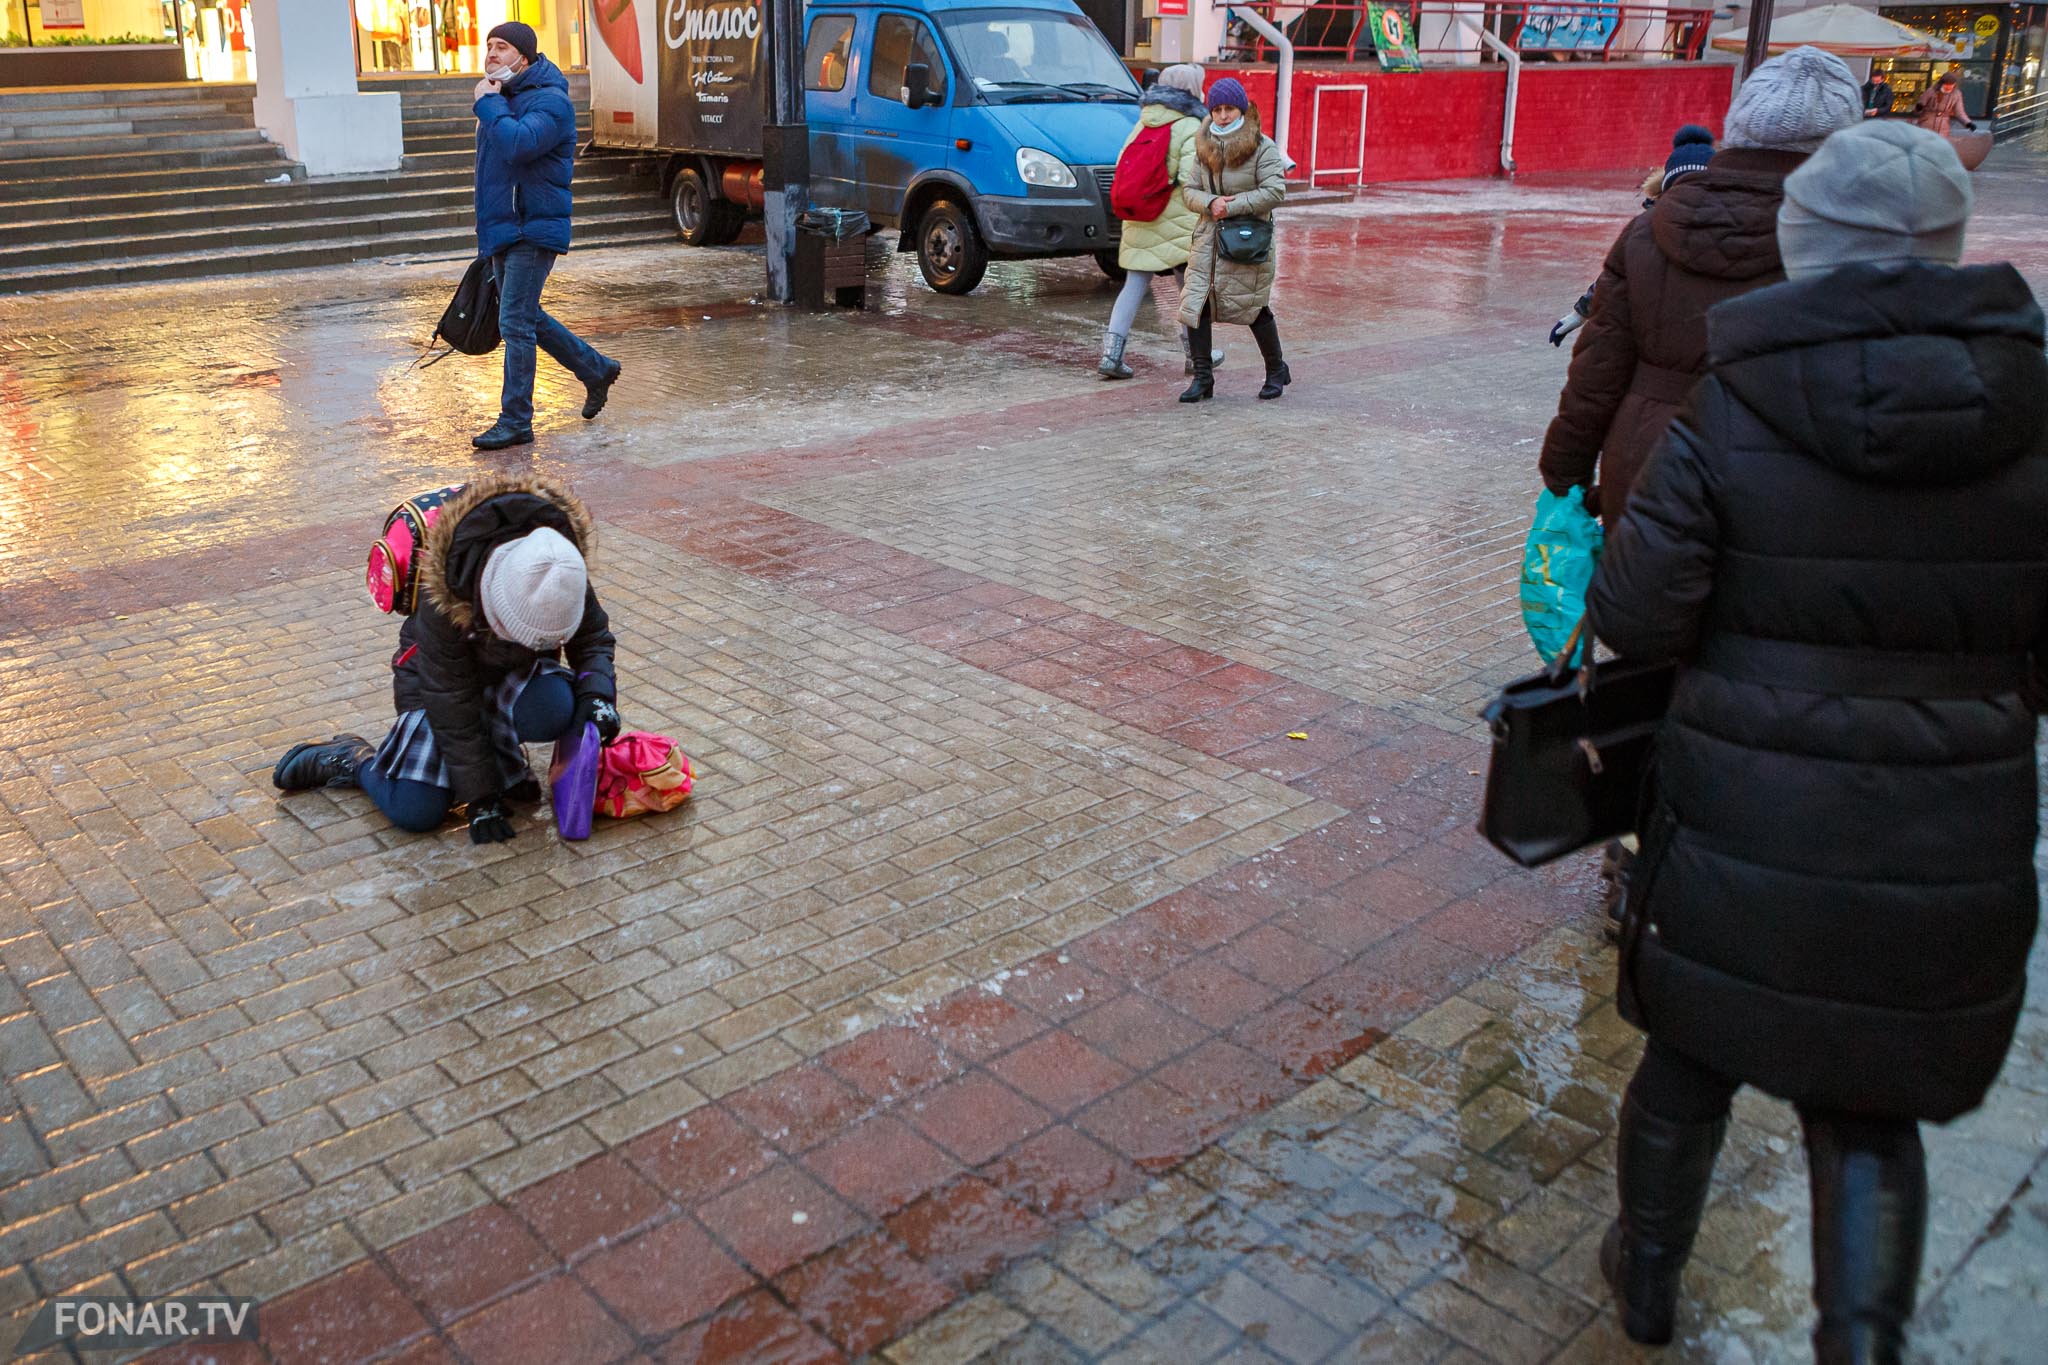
<point x="981" y="131"/>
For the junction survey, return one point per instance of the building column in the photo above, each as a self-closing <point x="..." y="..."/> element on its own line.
<point x="306" y="96"/>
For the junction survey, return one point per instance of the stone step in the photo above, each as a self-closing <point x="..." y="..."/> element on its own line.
<point x="620" y="231"/>
<point x="141" y="194"/>
<point x="152" y="144"/>
<point x="50" y="123"/>
<point x="382" y="216"/>
<point x="124" y="96"/>
<point x="100" y="168"/>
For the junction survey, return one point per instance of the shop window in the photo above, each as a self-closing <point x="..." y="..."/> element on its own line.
<point x="899" y="42"/>
<point x="829" y="50"/>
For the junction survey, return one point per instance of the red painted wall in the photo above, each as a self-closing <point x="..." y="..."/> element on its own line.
<point x="1446" y="124"/>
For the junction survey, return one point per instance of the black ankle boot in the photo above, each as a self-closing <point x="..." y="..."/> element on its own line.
<point x="1277" y="380"/>
<point x="333" y="764"/>
<point x="502" y="434"/>
<point x="1869" y="1224"/>
<point x="595" y="396"/>
<point x="1665" y="1170"/>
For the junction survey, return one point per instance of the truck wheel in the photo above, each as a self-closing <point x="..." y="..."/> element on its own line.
<point x="950" y="251"/>
<point x="702" y="218"/>
<point x="1106" y="262"/>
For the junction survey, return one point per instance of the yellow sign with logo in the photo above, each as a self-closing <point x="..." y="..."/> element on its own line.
<point x="1987" y="26"/>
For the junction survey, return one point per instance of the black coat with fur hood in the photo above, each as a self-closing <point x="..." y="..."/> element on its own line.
<point x="448" y="659"/>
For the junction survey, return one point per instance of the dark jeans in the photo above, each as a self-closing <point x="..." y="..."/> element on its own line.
<point x="1265" y="331"/>
<point x="541" y="714"/>
<point x="1677" y="1089"/>
<point x="522" y="272"/>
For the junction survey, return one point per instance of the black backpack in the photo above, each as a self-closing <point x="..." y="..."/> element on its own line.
<point x="470" y="324"/>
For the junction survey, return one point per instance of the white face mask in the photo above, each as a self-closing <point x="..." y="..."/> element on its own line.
<point x="1225" y="129"/>
<point x="500" y="74"/>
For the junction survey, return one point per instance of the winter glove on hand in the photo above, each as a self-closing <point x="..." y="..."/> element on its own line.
<point x="599" y="712"/>
<point x="488" y="823"/>
<point x="1566" y="325"/>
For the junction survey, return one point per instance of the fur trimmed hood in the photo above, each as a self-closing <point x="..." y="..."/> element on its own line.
<point x="1234" y="148"/>
<point x="490" y="510"/>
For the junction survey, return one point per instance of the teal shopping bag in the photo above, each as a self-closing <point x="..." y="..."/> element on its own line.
<point x="1558" y="561"/>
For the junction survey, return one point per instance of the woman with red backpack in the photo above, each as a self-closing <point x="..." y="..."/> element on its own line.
<point x="1159" y="225"/>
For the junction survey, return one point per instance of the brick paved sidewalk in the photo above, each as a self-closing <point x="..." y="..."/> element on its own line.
<point x="1009" y="940"/>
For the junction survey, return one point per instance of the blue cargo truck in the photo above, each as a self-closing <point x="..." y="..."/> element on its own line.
<point x="980" y="131"/>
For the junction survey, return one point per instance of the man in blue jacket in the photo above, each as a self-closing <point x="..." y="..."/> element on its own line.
<point x="525" y="158"/>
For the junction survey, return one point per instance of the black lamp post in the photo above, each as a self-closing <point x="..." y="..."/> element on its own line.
<point x="1758" y="47"/>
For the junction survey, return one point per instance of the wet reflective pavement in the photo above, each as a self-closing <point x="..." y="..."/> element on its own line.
<point x="1014" y="987"/>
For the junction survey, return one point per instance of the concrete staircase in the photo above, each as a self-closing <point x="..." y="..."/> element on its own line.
<point x="122" y="186"/>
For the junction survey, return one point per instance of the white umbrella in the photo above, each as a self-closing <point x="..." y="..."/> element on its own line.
<point x="1845" y="31"/>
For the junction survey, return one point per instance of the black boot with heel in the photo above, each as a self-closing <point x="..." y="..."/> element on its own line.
<point x="1267" y="333"/>
<point x="1204" y="385"/>
<point x="1869" y="1224"/>
<point x="1664" y="1170"/>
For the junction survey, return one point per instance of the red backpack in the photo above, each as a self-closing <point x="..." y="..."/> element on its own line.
<point x="1143" y="184"/>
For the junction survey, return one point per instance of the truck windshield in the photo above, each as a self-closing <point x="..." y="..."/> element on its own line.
<point x="1023" y="56"/>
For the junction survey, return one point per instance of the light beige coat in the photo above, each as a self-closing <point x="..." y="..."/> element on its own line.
<point x="1246" y="168"/>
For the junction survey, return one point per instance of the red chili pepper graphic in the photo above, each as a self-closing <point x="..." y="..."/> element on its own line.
<point x="619" y="26"/>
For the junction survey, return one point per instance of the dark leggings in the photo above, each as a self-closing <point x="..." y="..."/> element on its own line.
<point x="1265" y="331"/>
<point x="1677" y="1089"/>
<point x="541" y="714"/>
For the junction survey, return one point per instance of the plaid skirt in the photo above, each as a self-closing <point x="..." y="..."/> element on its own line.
<point x="409" y="753"/>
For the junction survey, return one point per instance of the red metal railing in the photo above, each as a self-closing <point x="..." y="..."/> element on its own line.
<point x="1553" y="29"/>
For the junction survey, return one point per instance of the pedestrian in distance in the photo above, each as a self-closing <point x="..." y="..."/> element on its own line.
<point x="508" y="646"/>
<point x="1941" y="105"/>
<point x="1691" y="148"/>
<point x="1241" y="176"/>
<point x="1877" y="96"/>
<point x="1711" y="237"/>
<point x="1841" y="541"/>
<point x="525" y="160"/>
<point x="1169" y="116"/>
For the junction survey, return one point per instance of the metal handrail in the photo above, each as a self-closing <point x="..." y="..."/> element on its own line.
<point x="1557" y="28"/>
<point x="2021" y="116"/>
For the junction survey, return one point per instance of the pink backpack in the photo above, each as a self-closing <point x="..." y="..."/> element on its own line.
<point x="640" y="773"/>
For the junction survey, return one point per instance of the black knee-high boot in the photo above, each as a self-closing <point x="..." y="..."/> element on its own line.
<point x="1199" y="338"/>
<point x="1664" y="1170"/>
<point x="1869" y="1225"/>
<point x="1266" y="332"/>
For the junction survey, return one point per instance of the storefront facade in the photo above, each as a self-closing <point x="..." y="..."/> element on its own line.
<point x="2001" y="49"/>
<point x="217" y="37"/>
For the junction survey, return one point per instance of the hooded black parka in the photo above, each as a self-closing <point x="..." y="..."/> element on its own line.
<point x="1845" y="538"/>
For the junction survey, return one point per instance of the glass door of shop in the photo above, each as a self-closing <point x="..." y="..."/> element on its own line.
<point x="218" y="36"/>
<point x="448" y="35"/>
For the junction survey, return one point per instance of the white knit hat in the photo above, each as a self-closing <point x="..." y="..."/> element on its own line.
<point x="533" y="589"/>
<point x="1883" y="192"/>
<point x="1183" y="76"/>
<point x="1791" y="103"/>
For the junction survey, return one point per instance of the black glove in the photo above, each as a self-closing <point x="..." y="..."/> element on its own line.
<point x="488" y="823"/>
<point x="599" y="712"/>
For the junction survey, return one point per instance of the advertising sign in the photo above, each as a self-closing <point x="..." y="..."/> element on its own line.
<point x="1567" y="28"/>
<point x="1392" y="39"/>
<point x="1173" y="9"/>
<point x="63" y="14"/>
<point x="624" y="98"/>
<point x="713" y="79"/>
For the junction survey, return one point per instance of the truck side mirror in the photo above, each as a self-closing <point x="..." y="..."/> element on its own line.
<point x="917" y="86"/>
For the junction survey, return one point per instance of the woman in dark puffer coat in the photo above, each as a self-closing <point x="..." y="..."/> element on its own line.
<point x="1711" y="237"/>
<point x="1842" y="538"/>
<point x="504" y="600"/>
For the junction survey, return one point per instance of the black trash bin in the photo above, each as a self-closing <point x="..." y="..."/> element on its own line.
<point x="831" y="265"/>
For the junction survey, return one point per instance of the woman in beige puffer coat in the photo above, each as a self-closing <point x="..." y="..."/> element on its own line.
<point x="1240" y="174"/>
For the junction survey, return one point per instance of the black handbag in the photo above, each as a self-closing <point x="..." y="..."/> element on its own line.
<point x="1571" y="750"/>
<point x="470" y="322"/>
<point x="1245" y="241"/>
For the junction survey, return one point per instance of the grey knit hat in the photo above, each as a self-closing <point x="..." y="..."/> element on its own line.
<point x="1884" y="192"/>
<point x="1183" y="76"/>
<point x="1791" y="103"/>
<point x="533" y="589"/>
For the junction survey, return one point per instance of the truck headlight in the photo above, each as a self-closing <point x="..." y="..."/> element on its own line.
<point x="1043" y="168"/>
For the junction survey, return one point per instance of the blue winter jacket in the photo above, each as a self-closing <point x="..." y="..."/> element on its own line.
<point x="525" y="158"/>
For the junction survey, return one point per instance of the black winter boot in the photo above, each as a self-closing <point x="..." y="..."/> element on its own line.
<point x="1664" y="1170"/>
<point x="595" y="396"/>
<point x="1869" y="1224"/>
<point x="502" y="434"/>
<point x="1267" y="333"/>
<point x="333" y="764"/>
<point x="1204" y="385"/>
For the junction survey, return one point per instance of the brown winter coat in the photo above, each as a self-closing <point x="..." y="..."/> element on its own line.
<point x="1713" y="236"/>
<point x="1938" y="107"/>
<point x="1246" y="168"/>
